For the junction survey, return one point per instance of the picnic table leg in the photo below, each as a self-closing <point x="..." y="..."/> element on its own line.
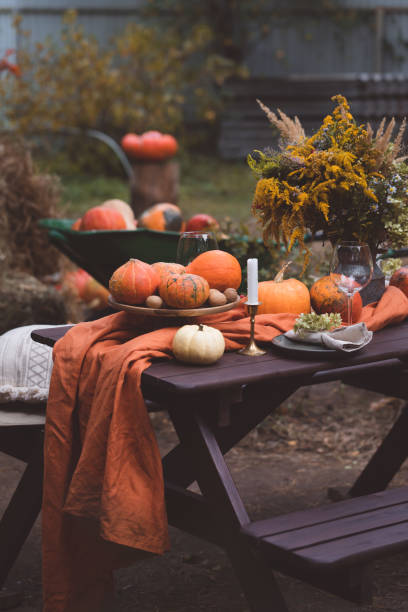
<point x="386" y="461"/>
<point x="219" y="490"/>
<point x="22" y="510"/>
<point x="258" y="403"/>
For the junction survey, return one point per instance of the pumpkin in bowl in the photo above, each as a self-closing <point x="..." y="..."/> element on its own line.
<point x="283" y="295"/>
<point x="219" y="268"/>
<point x="163" y="268"/>
<point x="163" y="217"/>
<point x="325" y="296"/>
<point x="184" y="290"/>
<point x="133" y="282"/>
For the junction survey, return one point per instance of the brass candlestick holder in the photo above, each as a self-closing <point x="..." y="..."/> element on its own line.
<point x="251" y="348"/>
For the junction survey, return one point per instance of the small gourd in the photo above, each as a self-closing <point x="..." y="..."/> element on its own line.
<point x="231" y="294"/>
<point x="216" y="298"/>
<point x="198" y="344"/>
<point x="154" y="301"/>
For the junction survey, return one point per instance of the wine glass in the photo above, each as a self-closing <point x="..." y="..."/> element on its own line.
<point x="351" y="270"/>
<point x="191" y="244"/>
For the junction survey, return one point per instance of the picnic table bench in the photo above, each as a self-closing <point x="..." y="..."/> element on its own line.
<point x="213" y="408"/>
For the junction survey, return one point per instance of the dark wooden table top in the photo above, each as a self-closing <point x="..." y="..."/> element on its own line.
<point x="387" y="347"/>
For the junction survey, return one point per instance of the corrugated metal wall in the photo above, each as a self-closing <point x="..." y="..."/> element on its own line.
<point x="373" y="39"/>
<point x="302" y="39"/>
<point x="42" y="18"/>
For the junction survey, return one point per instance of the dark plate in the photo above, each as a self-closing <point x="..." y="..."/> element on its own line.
<point x="298" y="348"/>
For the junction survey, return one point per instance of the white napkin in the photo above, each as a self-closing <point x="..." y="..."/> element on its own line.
<point x="348" y="339"/>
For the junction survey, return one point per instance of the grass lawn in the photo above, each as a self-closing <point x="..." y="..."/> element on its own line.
<point x="217" y="187"/>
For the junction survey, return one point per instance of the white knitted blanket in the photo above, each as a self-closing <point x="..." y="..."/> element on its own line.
<point x="25" y="366"/>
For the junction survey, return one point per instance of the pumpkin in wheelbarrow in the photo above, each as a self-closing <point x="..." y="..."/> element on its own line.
<point x="163" y="217"/>
<point x="100" y="218"/>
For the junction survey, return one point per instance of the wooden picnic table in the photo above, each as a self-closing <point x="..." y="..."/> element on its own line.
<point x="214" y="407"/>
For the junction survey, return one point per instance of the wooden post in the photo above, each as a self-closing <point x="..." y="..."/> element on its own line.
<point x="154" y="182"/>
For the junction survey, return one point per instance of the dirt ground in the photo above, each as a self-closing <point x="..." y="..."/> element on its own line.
<point x="320" y="438"/>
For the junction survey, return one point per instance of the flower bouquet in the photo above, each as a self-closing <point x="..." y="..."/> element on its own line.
<point x="345" y="179"/>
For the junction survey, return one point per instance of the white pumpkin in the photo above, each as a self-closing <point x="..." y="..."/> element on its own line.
<point x="124" y="209"/>
<point x="198" y="344"/>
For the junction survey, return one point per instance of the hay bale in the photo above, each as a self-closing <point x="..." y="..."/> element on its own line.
<point x="25" y="253"/>
<point x="24" y="300"/>
<point x="25" y="197"/>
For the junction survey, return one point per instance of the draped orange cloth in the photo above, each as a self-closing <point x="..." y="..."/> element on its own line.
<point x="103" y="503"/>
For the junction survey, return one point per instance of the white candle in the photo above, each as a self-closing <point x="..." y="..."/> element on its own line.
<point x="252" y="281"/>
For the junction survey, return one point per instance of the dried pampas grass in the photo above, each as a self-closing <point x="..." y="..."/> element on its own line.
<point x="291" y="130"/>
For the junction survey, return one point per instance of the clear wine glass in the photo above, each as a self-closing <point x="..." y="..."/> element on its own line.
<point x="191" y="244"/>
<point x="351" y="270"/>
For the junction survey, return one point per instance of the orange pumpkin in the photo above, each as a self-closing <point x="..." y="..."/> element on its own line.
<point x="95" y="294"/>
<point x="184" y="290"/>
<point x="99" y="218"/>
<point x="325" y="296"/>
<point x="133" y="282"/>
<point x="162" y="217"/>
<point x="279" y="295"/>
<point x="220" y="269"/>
<point x="163" y="268"/>
<point x="400" y="279"/>
<point x="76" y="225"/>
<point x="75" y="281"/>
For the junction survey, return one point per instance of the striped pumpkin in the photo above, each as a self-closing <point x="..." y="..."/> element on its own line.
<point x="184" y="290"/>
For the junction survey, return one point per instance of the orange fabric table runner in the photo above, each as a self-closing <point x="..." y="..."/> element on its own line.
<point x="103" y="505"/>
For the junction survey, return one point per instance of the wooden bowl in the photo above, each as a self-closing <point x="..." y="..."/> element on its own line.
<point x="172" y="312"/>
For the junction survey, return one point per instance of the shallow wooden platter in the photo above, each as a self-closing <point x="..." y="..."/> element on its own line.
<point x="172" y="312"/>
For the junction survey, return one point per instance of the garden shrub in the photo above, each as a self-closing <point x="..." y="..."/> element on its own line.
<point x="139" y="80"/>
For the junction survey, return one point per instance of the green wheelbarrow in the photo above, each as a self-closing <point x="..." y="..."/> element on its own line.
<point x="101" y="253"/>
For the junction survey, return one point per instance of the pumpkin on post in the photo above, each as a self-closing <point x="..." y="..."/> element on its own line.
<point x="283" y="295"/>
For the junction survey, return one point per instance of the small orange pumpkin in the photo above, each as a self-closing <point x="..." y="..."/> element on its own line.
<point x="279" y="295"/>
<point x="76" y="225"/>
<point x="163" y="268"/>
<point x="133" y="282"/>
<point x="219" y="268"/>
<point x="325" y="296"/>
<point x="184" y="290"/>
<point x="162" y="217"/>
<point x="98" y="218"/>
<point x="400" y="279"/>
